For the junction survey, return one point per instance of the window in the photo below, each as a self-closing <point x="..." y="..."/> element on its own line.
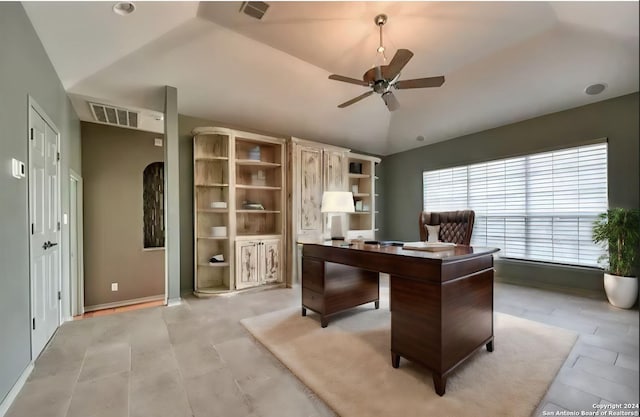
<point x="153" y="205"/>
<point x="536" y="207"/>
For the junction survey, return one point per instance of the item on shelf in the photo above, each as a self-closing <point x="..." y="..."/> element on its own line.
<point x="365" y="207"/>
<point x="250" y="205"/>
<point x="355" y="168"/>
<point x="359" y="205"/>
<point x="254" y="153"/>
<point x="259" y="178"/>
<point x="219" y="231"/>
<point x="354" y="188"/>
<point x="218" y="204"/>
<point x="216" y="259"/>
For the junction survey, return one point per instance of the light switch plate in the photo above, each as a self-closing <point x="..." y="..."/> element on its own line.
<point x="114" y="286"/>
<point x="157" y="142"/>
<point x="18" y="169"/>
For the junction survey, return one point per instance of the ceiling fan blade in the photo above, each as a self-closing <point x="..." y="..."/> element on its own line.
<point x="391" y="101"/>
<point x="420" y="83"/>
<point x="355" y="100"/>
<point x="400" y="59"/>
<point x="348" y="80"/>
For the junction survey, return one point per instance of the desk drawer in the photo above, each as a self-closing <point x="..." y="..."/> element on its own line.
<point x="313" y="300"/>
<point x="313" y="274"/>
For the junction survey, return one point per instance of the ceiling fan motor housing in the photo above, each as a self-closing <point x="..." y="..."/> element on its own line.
<point x="381" y="86"/>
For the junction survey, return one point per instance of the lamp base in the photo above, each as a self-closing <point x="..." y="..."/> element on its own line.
<point x="337" y="228"/>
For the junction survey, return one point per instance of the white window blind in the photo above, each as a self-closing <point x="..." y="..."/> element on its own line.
<point x="536" y="207"/>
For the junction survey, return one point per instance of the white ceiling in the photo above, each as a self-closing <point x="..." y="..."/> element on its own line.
<point x="503" y="62"/>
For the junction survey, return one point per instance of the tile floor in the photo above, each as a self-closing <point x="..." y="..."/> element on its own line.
<point x="197" y="360"/>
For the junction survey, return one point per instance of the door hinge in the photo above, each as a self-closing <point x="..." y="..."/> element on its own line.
<point x="31" y="133"/>
<point x="59" y="296"/>
<point x="58" y="156"/>
<point x="58" y="225"/>
<point x="34" y="323"/>
<point x="31" y="228"/>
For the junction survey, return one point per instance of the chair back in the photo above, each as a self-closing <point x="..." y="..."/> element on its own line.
<point x="455" y="226"/>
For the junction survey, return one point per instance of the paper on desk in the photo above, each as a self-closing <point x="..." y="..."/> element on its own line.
<point x="431" y="246"/>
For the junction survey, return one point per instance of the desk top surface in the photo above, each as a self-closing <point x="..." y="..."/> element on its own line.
<point x="457" y="252"/>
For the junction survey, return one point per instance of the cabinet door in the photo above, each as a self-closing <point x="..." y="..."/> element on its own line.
<point x="335" y="171"/>
<point x="310" y="171"/>
<point x="247" y="265"/>
<point x="270" y="260"/>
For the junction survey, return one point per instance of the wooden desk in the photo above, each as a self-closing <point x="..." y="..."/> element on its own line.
<point x="441" y="302"/>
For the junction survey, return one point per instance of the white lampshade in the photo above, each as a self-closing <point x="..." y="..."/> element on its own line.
<point x="337" y="202"/>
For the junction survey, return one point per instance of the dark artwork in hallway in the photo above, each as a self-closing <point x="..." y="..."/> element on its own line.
<point x="153" y="205"/>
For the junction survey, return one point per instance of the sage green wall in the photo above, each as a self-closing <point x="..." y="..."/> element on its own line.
<point x="113" y="161"/>
<point x="25" y="70"/>
<point x="616" y="119"/>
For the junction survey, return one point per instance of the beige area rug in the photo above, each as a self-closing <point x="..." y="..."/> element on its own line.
<point x="348" y="365"/>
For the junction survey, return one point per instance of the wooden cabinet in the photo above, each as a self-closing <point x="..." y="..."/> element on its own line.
<point x="270" y="259"/>
<point x="212" y="272"/>
<point x="335" y="168"/>
<point x="362" y="183"/>
<point x="239" y="198"/>
<point x="247" y="264"/>
<point x="259" y="185"/>
<point x="258" y="262"/>
<point x="308" y="188"/>
<point x="315" y="167"/>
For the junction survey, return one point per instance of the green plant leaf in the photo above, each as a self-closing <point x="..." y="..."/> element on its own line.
<point x="619" y="229"/>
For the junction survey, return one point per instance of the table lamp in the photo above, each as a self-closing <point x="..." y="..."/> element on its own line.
<point x="335" y="202"/>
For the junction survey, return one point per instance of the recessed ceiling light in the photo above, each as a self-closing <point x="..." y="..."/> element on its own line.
<point x="594" y="89"/>
<point x="420" y="138"/>
<point x="124" y="8"/>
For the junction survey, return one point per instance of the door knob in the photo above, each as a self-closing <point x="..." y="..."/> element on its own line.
<point x="48" y="244"/>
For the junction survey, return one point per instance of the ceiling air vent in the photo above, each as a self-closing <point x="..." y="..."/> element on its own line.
<point x="255" y="9"/>
<point x="113" y="115"/>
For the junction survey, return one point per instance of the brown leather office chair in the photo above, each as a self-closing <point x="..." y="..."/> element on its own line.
<point x="455" y="226"/>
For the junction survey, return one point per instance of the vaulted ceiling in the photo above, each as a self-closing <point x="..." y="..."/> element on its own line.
<point x="503" y="62"/>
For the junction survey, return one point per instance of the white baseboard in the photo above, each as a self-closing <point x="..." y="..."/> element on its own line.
<point x="13" y="393"/>
<point x="124" y="303"/>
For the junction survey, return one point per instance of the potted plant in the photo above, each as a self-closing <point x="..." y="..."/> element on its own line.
<point x="620" y="229"/>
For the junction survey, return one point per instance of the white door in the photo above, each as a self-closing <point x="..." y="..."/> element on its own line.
<point x="45" y="231"/>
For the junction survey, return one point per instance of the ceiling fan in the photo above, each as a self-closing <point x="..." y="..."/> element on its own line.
<point x="382" y="78"/>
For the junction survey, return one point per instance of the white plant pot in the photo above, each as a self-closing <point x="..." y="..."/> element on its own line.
<point x="621" y="291"/>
